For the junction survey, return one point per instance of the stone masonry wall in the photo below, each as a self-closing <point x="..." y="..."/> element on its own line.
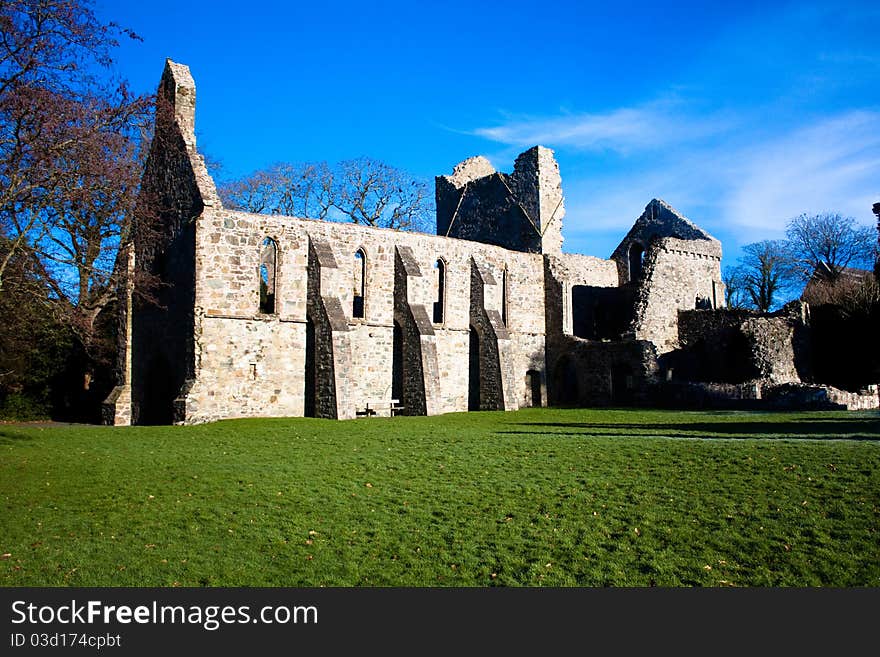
<point x="659" y="220"/>
<point x="735" y="346"/>
<point x="175" y="190"/>
<point x="675" y="274"/>
<point x="228" y="302"/>
<point x="562" y="273"/>
<point x="876" y="209"/>
<point x="603" y="373"/>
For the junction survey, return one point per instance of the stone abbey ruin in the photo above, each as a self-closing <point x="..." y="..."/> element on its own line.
<point x="260" y="316"/>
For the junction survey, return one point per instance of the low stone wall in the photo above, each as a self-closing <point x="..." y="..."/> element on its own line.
<point x="690" y="394"/>
<point x="761" y="395"/>
<point x="821" y="397"/>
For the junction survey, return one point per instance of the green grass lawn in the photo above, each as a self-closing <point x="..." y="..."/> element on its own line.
<point x="538" y="497"/>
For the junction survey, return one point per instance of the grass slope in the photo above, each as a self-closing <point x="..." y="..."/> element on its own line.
<point x="541" y="497"/>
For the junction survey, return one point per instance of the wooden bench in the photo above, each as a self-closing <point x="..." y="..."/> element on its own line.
<point x="373" y="407"/>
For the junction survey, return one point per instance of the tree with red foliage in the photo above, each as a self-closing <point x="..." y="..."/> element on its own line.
<point x="70" y="160"/>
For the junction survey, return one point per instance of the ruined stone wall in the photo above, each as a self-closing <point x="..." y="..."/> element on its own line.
<point x="712" y="348"/>
<point x="563" y="272"/>
<point x="521" y="211"/>
<point x="590" y="373"/>
<point x="772" y="347"/>
<point x="175" y="190"/>
<point x="659" y="220"/>
<point x="876" y="208"/>
<point x="806" y="396"/>
<point x="234" y="336"/>
<point x="676" y="273"/>
<point x="117" y="407"/>
<point x="735" y="346"/>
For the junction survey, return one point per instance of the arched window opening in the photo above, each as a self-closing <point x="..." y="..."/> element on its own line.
<point x="268" y="266"/>
<point x="440" y="300"/>
<point x="636" y="261"/>
<point x="359" y="286"/>
<point x="504" y="284"/>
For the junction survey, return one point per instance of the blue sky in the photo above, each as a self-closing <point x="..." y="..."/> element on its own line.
<point x="741" y="115"/>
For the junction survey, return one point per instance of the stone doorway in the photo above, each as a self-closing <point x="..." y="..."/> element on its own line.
<point x="533" y="388"/>
<point x="565" y="382"/>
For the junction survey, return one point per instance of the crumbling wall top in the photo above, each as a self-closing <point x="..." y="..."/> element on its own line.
<point x="175" y="120"/>
<point x="521" y="210"/>
<point x="662" y="220"/>
<point x="471" y="169"/>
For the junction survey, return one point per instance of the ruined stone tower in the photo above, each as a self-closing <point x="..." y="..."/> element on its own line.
<point x="521" y="211"/>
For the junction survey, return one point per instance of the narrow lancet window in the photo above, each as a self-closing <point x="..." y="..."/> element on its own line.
<point x="504" y="285"/>
<point x="359" y="284"/>
<point x="440" y="300"/>
<point x="268" y="266"/>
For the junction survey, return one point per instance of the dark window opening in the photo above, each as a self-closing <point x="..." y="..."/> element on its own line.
<point x="636" y="261"/>
<point x="397" y="364"/>
<point x="311" y="382"/>
<point x="268" y="260"/>
<point x="504" y="296"/>
<point x="474" y="371"/>
<point x="440" y="302"/>
<point x="601" y="313"/>
<point x="359" y="287"/>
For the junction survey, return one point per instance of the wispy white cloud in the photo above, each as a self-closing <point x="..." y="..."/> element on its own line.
<point x="624" y="130"/>
<point x="789" y="137"/>
<point x="743" y="187"/>
<point x="830" y="164"/>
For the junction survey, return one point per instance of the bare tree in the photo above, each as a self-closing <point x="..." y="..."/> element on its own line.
<point x="827" y="243"/>
<point x="373" y="193"/>
<point x="296" y="190"/>
<point x="67" y="142"/>
<point x="735" y="295"/>
<point x="70" y="161"/>
<point x="763" y="273"/>
<point x="854" y="292"/>
<point x="363" y="191"/>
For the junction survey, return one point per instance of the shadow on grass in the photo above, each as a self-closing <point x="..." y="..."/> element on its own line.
<point x="808" y="428"/>
<point x="7" y="436"/>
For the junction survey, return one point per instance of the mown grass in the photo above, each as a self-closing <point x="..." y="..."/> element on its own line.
<point x="538" y="497"/>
